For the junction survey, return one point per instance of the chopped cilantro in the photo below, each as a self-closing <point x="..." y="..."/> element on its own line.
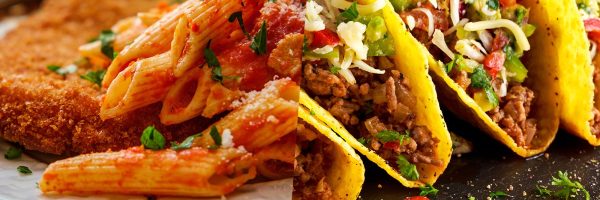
<point x="305" y="44"/>
<point x="13" y="153"/>
<point x="390" y="135"/>
<point x="481" y="80"/>
<point x="62" y="70"/>
<point x="259" y="43"/>
<point x="542" y="191"/>
<point x="238" y="16"/>
<point x="497" y="195"/>
<point x="214" y="134"/>
<point x="186" y="144"/>
<point x="428" y="190"/>
<point x="24" y="170"/>
<point x="493" y="4"/>
<point x="94" y="76"/>
<point x="152" y="139"/>
<point x="408" y="170"/>
<point x="568" y="188"/>
<point x="364" y="141"/>
<point x="312" y="112"/>
<point x="520" y="14"/>
<point x="107" y="38"/>
<point x="351" y="13"/>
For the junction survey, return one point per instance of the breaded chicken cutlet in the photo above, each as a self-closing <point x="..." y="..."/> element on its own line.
<point x="46" y="112"/>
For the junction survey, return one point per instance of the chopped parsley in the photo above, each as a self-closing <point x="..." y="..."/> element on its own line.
<point x="390" y="135"/>
<point x="24" y="170"/>
<point x="493" y="4"/>
<point x="481" y="80"/>
<point x="498" y="195"/>
<point x="152" y="139"/>
<point x="214" y="134"/>
<point x="107" y="38"/>
<point x="428" y="190"/>
<point x="13" y="153"/>
<point x="408" y="170"/>
<point x="238" y="16"/>
<point x="186" y="144"/>
<point x="63" y="71"/>
<point x="95" y="77"/>
<point x="351" y="13"/>
<point x="335" y="69"/>
<point x="568" y="188"/>
<point x="211" y="60"/>
<point x="259" y="43"/>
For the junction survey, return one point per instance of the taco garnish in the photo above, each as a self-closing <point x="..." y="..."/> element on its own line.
<point x="351" y="68"/>
<point x="326" y="166"/>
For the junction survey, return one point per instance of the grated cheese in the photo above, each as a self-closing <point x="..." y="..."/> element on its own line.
<point x="430" y="22"/>
<point x="227" y="139"/>
<point x="516" y="30"/>
<point x="439" y="41"/>
<point x="312" y="20"/>
<point x="352" y="34"/>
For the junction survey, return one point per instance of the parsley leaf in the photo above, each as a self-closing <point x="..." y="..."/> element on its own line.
<point x="497" y="195"/>
<point x="390" y="135"/>
<point x="238" y="16"/>
<point x="63" y="71"/>
<point x="408" y="170"/>
<point x="24" y="170"/>
<point x="186" y="144"/>
<point x="214" y="134"/>
<point x="568" y="188"/>
<point x="493" y="4"/>
<point x="259" y="43"/>
<point x="428" y="190"/>
<point x="212" y="61"/>
<point x="107" y="38"/>
<point x="351" y="13"/>
<point x="13" y="153"/>
<point x="335" y="69"/>
<point x="95" y="76"/>
<point x="152" y="139"/>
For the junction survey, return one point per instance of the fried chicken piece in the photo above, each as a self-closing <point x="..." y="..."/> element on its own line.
<point x="44" y="111"/>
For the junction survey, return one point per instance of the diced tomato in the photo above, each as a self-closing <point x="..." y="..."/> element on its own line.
<point x="592" y="27"/>
<point x="494" y="62"/>
<point x="508" y="3"/>
<point x="500" y="40"/>
<point x="323" y="38"/>
<point x="416" y="198"/>
<point x="391" y="145"/>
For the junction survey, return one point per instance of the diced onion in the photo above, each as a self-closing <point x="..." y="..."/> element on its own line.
<point x="593" y="49"/>
<point x="352" y="34"/>
<point x="410" y="21"/>
<point x="461" y="23"/>
<point x="430" y="22"/>
<point x="464" y="47"/>
<point x="324" y="50"/>
<point x="348" y="57"/>
<point x="502" y="91"/>
<point x="486" y="39"/>
<point x="454" y="11"/>
<point x="365" y="67"/>
<point x="486" y="10"/>
<point x="478" y="45"/>
<point x="362" y="9"/>
<point x="439" y="41"/>
<point x="516" y="30"/>
<point x="313" y="21"/>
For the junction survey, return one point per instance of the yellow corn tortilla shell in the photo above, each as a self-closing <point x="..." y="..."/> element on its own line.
<point x="347" y="172"/>
<point x="576" y="72"/>
<point x="414" y="67"/>
<point x="542" y="61"/>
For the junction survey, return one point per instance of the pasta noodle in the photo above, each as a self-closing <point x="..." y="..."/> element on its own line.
<point x="144" y="82"/>
<point x="276" y="161"/>
<point x="194" y="172"/>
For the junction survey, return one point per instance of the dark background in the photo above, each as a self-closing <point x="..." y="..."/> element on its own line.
<point x="492" y="167"/>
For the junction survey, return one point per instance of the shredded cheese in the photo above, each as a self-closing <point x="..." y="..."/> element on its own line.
<point x="461" y="23"/>
<point x="486" y="10"/>
<point x="324" y="50"/>
<point x="439" y="41"/>
<point x="504" y="87"/>
<point x="464" y="48"/>
<point x="313" y="21"/>
<point x="516" y="30"/>
<point x="362" y="9"/>
<point x="593" y="49"/>
<point x="430" y="22"/>
<point x="227" y="139"/>
<point x="478" y="45"/>
<point x="410" y="21"/>
<point x="434" y="3"/>
<point x="352" y="34"/>
<point x="365" y="67"/>
<point x="486" y="39"/>
<point x="455" y="11"/>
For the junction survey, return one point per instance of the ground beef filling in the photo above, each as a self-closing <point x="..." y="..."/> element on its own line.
<point x="595" y="121"/>
<point x="513" y="114"/>
<point x="375" y="103"/>
<point x="312" y="163"/>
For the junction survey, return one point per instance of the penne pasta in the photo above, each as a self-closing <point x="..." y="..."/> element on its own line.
<point x="144" y="82"/>
<point x="194" y="172"/>
<point x="276" y="161"/>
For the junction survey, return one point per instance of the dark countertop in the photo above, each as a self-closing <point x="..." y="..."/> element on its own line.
<point x="492" y="167"/>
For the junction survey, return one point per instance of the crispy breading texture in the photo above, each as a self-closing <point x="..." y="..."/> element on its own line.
<point x="44" y="112"/>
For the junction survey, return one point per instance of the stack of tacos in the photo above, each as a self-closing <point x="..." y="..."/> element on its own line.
<point x="364" y="80"/>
